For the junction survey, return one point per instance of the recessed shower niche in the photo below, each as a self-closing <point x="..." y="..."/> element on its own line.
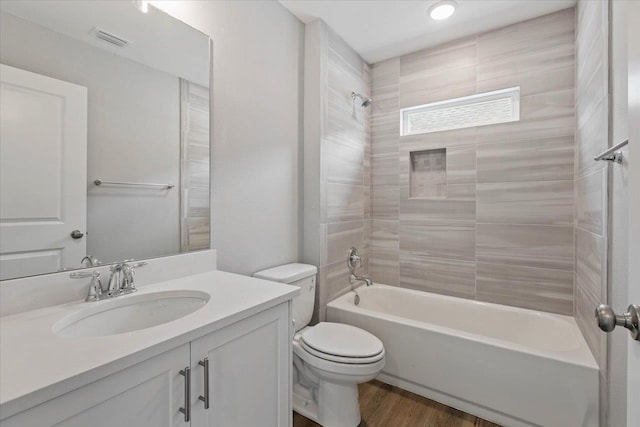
<point x="428" y="173"/>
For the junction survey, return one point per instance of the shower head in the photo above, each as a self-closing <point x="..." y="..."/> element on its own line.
<point x="365" y="101"/>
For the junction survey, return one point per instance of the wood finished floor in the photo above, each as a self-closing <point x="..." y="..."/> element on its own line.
<point x="382" y="405"/>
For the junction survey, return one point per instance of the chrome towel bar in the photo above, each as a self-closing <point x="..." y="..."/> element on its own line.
<point x="136" y="184"/>
<point x="612" y="154"/>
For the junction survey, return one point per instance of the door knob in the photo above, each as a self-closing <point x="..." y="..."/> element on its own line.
<point x="608" y="320"/>
<point x="77" y="234"/>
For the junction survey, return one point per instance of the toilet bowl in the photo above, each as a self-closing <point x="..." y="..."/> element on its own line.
<point x="329" y="359"/>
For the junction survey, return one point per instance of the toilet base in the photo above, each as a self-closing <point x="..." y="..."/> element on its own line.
<point x="306" y="407"/>
<point x="336" y="406"/>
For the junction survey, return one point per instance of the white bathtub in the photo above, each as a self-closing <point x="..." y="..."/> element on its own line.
<point x="513" y="366"/>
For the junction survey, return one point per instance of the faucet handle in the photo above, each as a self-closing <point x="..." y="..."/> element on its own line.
<point x="128" y="271"/>
<point x="116" y="267"/>
<point x="137" y="264"/>
<point x="353" y="259"/>
<point x="95" y="287"/>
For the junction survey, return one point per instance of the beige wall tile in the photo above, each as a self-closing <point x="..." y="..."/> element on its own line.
<point x="344" y="202"/>
<point x="526" y="170"/>
<point x="384" y="202"/>
<point x="384" y="233"/>
<point x="585" y="306"/>
<point x="592" y="138"/>
<point x="342" y="236"/>
<point x="545" y="159"/>
<point x="538" y="202"/>
<point x="337" y="281"/>
<point x="345" y="194"/>
<point x="533" y="288"/>
<point x="592" y="112"/>
<point x="345" y="163"/>
<point x="438" y="238"/>
<point x="449" y="277"/>
<point x="461" y="191"/>
<point x="590" y="262"/>
<point x="383" y="265"/>
<point x="384" y="169"/>
<point x="437" y="86"/>
<point x="455" y="54"/>
<point x="459" y="210"/>
<point x="461" y="164"/>
<point x="542" y="115"/>
<point x="590" y="202"/>
<point x="523" y="55"/>
<point x="537" y="246"/>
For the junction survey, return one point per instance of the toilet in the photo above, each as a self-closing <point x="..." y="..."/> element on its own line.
<point x="329" y="359"/>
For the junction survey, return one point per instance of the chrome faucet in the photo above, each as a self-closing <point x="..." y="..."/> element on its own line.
<point x="115" y="280"/>
<point x="354" y="260"/>
<point x="120" y="282"/>
<point x="96" y="293"/>
<point x="90" y="261"/>
<point x="354" y="278"/>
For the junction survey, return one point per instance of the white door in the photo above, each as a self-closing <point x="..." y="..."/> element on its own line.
<point x="43" y="169"/>
<point x="633" y="347"/>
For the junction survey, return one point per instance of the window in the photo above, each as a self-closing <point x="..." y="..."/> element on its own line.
<point x="500" y="106"/>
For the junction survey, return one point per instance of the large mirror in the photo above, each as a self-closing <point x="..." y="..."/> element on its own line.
<point x="104" y="143"/>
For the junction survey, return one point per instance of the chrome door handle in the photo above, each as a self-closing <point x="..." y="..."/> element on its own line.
<point x="205" y="364"/>
<point x="77" y="234"/>
<point x="186" y="373"/>
<point x="608" y="320"/>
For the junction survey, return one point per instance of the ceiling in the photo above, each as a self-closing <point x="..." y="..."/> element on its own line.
<point x="382" y="29"/>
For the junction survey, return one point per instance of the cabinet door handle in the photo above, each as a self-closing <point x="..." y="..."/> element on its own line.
<point x="205" y="363"/>
<point x="186" y="373"/>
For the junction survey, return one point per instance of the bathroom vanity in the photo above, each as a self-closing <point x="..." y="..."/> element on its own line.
<point x="226" y="363"/>
<point x="121" y="173"/>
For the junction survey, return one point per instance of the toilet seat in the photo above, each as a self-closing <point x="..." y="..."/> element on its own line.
<point x="337" y="368"/>
<point x="341" y="343"/>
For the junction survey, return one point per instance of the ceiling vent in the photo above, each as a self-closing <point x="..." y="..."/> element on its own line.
<point x="110" y="37"/>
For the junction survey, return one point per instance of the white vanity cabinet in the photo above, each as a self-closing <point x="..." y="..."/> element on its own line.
<point x="249" y="384"/>
<point x="145" y="394"/>
<point x="249" y="373"/>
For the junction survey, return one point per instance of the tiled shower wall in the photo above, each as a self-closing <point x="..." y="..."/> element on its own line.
<point x="504" y="232"/>
<point x="339" y="147"/>
<point x="592" y="109"/>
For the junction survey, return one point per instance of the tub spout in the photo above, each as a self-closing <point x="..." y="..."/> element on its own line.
<point x="353" y="278"/>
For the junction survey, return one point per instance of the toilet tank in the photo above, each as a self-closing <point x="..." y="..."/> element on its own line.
<point x="302" y="275"/>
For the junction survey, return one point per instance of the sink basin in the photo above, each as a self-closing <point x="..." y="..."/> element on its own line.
<point x="130" y="313"/>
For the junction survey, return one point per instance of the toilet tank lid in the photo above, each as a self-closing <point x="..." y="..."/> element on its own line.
<point x="287" y="273"/>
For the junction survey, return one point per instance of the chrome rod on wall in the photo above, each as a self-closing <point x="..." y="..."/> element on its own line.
<point x="136" y="184"/>
<point x="612" y="154"/>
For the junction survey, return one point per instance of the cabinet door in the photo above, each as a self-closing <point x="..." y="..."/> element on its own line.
<point x="147" y="394"/>
<point x="249" y="373"/>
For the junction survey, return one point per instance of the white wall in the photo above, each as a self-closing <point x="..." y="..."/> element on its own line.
<point x="256" y="129"/>
<point x="133" y="135"/>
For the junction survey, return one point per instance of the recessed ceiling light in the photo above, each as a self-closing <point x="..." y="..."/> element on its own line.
<point x="442" y="10"/>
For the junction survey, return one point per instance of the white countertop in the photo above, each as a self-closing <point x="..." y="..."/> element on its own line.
<point x="37" y="365"/>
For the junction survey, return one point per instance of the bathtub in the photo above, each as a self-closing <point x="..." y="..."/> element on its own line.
<point x="512" y="366"/>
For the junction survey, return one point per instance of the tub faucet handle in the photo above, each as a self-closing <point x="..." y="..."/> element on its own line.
<point x="354" y="260"/>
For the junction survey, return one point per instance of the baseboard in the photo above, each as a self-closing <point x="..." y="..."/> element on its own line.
<point x="454" y="402"/>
